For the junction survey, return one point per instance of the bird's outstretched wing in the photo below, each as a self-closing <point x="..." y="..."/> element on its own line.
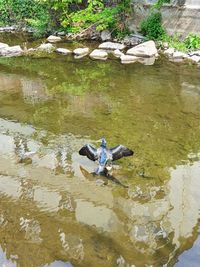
<point x="89" y="151"/>
<point x="120" y="151"/>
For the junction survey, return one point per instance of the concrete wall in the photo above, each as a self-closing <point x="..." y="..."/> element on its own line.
<point x="181" y="16"/>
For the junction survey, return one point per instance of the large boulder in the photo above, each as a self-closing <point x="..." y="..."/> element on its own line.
<point x="47" y="48"/>
<point x="53" y="39"/>
<point x="111" y="46"/>
<point x="63" y="51"/>
<point x="81" y="52"/>
<point x="99" y="54"/>
<point x="146" y="49"/>
<point x="127" y="59"/>
<point x="105" y="35"/>
<point x="11" y="51"/>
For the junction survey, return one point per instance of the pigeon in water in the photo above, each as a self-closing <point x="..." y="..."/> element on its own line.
<point x="104" y="156"/>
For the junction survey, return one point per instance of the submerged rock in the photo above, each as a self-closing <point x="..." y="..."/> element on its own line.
<point x="53" y="39"/>
<point x="81" y="52"/>
<point x="63" y="51"/>
<point x="146" y="49"/>
<point x="99" y="54"/>
<point x="47" y="48"/>
<point x="105" y="35"/>
<point x="127" y="59"/>
<point x="112" y="46"/>
<point x="11" y="51"/>
<point x="148" y="61"/>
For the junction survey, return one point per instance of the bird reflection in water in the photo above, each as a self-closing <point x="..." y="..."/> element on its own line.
<point x="104" y="177"/>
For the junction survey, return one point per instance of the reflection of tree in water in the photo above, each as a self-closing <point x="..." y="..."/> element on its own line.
<point x="20" y="146"/>
<point x="67" y="202"/>
<point x="26" y="189"/>
<point x="21" y="149"/>
<point x="32" y="229"/>
<point x="64" y="161"/>
<point x="72" y="245"/>
<point x="34" y="90"/>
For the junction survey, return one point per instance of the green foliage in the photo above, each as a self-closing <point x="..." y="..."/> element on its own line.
<point x="69" y="15"/>
<point x="24" y="12"/>
<point x="95" y="13"/>
<point x="174" y="41"/>
<point x="160" y="3"/>
<point x="151" y="27"/>
<point x="192" y="41"/>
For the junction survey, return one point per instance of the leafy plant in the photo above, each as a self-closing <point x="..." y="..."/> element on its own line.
<point x="160" y="3"/>
<point x="192" y="41"/>
<point x="25" y="12"/>
<point x="98" y="15"/>
<point x="152" y="27"/>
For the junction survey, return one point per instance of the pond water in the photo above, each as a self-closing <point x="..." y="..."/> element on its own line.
<point x="53" y="212"/>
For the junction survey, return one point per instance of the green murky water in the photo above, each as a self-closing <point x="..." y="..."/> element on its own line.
<point x="52" y="211"/>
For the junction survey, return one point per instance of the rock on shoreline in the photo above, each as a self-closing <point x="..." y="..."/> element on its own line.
<point x="99" y="54"/>
<point x="144" y="53"/>
<point x="177" y="56"/>
<point x="146" y="49"/>
<point x="10" y="51"/>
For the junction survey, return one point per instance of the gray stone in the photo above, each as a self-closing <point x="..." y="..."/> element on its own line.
<point x="169" y="52"/>
<point x="165" y="45"/>
<point x="179" y="55"/>
<point x="63" y="51"/>
<point x="3" y="45"/>
<point x="7" y="29"/>
<point x="195" y="53"/>
<point x="11" y="51"/>
<point x="117" y="53"/>
<point x="99" y="54"/>
<point x="133" y="39"/>
<point x="47" y="48"/>
<point x="195" y="58"/>
<point x="146" y="49"/>
<point x="81" y="52"/>
<point x="61" y="33"/>
<point x="53" y="39"/>
<point x="112" y="46"/>
<point x="105" y="35"/>
<point x="127" y="59"/>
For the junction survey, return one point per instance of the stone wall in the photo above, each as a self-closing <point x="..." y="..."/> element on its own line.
<point x="181" y="16"/>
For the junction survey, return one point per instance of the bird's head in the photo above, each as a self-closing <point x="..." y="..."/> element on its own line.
<point x="103" y="142"/>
